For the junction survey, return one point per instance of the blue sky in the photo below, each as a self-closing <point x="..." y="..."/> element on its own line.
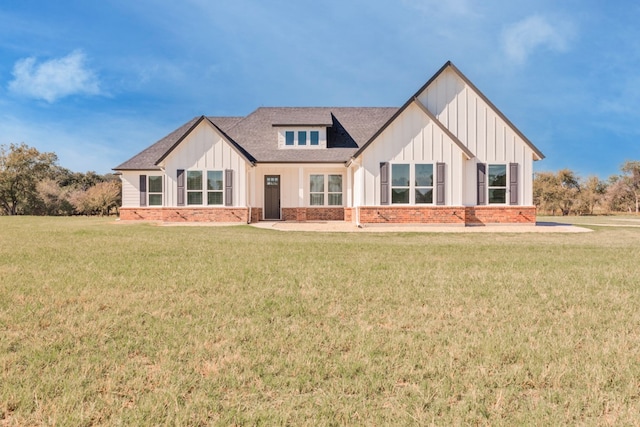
<point x="96" y="82"/>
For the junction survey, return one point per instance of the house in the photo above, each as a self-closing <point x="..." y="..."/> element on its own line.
<point x="448" y="155"/>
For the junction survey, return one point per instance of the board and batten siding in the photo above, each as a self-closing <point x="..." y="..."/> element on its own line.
<point x="204" y="149"/>
<point x="481" y="129"/>
<point x="412" y="138"/>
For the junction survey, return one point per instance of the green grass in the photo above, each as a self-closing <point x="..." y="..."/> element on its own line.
<point x="104" y="324"/>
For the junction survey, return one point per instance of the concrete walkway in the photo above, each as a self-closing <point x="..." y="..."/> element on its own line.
<point x="346" y="227"/>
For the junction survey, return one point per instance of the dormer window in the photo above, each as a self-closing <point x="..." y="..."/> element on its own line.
<point x="303" y="138"/>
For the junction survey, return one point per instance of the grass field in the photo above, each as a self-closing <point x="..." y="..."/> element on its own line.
<point x="104" y="324"/>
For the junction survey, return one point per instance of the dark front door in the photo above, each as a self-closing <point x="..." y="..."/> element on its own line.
<point x="272" y="197"/>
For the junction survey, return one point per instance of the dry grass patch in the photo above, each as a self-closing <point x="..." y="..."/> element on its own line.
<point x="136" y="324"/>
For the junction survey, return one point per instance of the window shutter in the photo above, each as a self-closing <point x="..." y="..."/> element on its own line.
<point x="513" y="183"/>
<point x="482" y="184"/>
<point x="228" y="187"/>
<point x="143" y="190"/>
<point x="180" y="176"/>
<point x="440" y="179"/>
<point x="384" y="183"/>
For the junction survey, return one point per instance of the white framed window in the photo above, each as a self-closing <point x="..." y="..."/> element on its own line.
<point x="423" y="181"/>
<point x="198" y="187"/>
<point x="215" y="188"/>
<point x="154" y="194"/>
<point x="412" y="183"/>
<point x="325" y="190"/>
<point x="497" y="184"/>
<point x="302" y="138"/>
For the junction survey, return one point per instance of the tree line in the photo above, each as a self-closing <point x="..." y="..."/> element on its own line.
<point x="565" y="193"/>
<point x="32" y="183"/>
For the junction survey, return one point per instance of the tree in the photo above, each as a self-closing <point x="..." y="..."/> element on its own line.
<point x="54" y="199"/>
<point x="591" y="193"/>
<point x="556" y="191"/>
<point x="21" y="168"/>
<point x="98" y="199"/>
<point x="546" y="191"/>
<point x="631" y="169"/>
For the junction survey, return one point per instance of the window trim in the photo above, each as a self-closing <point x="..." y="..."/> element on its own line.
<point x="325" y="189"/>
<point x="303" y="138"/>
<point x="155" y="193"/>
<point x="412" y="187"/>
<point x="204" y="190"/>
<point x="505" y="187"/>
<point x="221" y="190"/>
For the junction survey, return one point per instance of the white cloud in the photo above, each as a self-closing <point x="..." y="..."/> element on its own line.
<point x="535" y="32"/>
<point x="54" y="79"/>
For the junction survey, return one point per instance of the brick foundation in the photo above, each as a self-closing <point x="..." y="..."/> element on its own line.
<point x="480" y="215"/>
<point x="181" y="214"/>
<point x="476" y="215"/>
<point x="411" y="215"/>
<point x="313" y="214"/>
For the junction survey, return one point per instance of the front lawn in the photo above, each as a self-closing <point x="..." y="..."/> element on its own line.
<point x="104" y="323"/>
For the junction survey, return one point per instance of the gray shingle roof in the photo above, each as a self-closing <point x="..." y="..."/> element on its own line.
<point x="255" y="135"/>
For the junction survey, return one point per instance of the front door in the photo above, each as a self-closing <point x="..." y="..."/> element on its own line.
<point x="272" y="197"/>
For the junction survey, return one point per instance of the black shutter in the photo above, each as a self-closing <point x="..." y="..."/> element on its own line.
<point x="143" y="190"/>
<point x="482" y="184"/>
<point x="384" y="183"/>
<point x="513" y="183"/>
<point x="180" y="176"/>
<point x="228" y="187"/>
<point x="440" y="180"/>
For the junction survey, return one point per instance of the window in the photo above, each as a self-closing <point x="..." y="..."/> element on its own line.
<point x="288" y="137"/>
<point x="194" y="187"/>
<point x="424" y="184"/>
<point x="301" y="137"/>
<point x="497" y="184"/>
<point x="214" y="187"/>
<point x="155" y="191"/>
<point x="335" y="190"/>
<point x="333" y="187"/>
<point x="316" y="190"/>
<point x="400" y="183"/>
<point x="412" y="183"/>
<point x="197" y="188"/>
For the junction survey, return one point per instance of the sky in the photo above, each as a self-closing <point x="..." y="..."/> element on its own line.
<point x="97" y="82"/>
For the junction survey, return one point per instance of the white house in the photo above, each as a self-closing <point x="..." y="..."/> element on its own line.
<point x="448" y="155"/>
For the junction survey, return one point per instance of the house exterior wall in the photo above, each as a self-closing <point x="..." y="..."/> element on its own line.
<point x="481" y="129"/>
<point x="411" y="138"/>
<point x="295" y="188"/>
<point x="203" y="149"/>
<point x="131" y="187"/>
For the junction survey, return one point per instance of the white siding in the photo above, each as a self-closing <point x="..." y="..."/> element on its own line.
<point x="204" y="149"/>
<point x="131" y="188"/>
<point x="294" y="182"/>
<point x="465" y="113"/>
<point x="411" y="138"/>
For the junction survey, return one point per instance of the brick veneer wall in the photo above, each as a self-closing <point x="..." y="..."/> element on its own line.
<point x="411" y="215"/>
<point x="313" y="214"/>
<point x="188" y="214"/>
<point x="478" y="215"/>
